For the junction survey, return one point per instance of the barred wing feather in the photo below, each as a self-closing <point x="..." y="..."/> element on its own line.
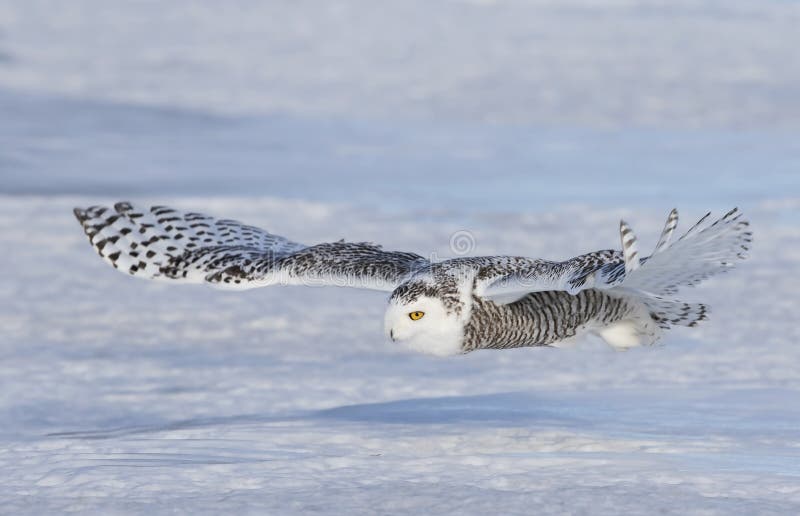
<point x="166" y="244"/>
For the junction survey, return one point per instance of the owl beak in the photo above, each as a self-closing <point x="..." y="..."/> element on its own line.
<point x="391" y="335"/>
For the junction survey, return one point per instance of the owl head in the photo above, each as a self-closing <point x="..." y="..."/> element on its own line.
<point x="428" y="316"/>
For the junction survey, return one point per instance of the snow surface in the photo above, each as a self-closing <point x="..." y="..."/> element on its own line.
<point x="606" y="63"/>
<point x="119" y="395"/>
<point x="534" y="126"/>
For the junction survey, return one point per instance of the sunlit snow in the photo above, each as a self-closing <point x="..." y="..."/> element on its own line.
<point x="534" y="126"/>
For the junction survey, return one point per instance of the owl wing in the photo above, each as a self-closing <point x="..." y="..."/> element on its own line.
<point x="706" y="249"/>
<point x="166" y="244"/>
<point x="507" y="279"/>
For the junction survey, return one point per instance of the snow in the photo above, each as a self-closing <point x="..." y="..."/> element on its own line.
<point x="721" y="62"/>
<point x="120" y="396"/>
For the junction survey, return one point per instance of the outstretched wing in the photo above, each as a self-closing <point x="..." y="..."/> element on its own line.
<point x="705" y="250"/>
<point x="507" y="279"/>
<point x="166" y="244"/>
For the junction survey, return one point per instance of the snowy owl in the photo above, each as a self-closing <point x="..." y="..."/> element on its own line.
<point x="447" y="307"/>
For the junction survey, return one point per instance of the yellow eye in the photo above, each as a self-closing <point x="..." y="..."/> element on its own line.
<point x="416" y="316"/>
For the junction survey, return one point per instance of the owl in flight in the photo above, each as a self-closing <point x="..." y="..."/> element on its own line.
<point x="447" y="307"/>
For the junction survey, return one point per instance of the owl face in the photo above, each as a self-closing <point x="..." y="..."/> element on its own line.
<point x="424" y="324"/>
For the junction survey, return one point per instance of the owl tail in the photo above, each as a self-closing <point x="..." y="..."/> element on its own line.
<point x="652" y="282"/>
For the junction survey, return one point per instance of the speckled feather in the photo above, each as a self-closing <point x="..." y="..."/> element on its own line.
<point x="163" y="243"/>
<point x="502" y="301"/>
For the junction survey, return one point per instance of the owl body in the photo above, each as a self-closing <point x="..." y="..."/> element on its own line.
<point x="541" y="319"/>
<point x="466" y="321"/>
<point x="442" y="308"/>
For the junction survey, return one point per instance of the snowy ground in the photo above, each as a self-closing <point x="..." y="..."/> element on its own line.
<point x="520" y="122"/>
<point x="119" y="394"/>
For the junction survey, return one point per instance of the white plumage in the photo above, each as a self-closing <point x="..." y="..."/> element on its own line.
<point x="448" y="307"/>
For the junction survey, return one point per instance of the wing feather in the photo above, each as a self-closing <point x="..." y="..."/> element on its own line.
<point x="166" y="244"/>
<point x="704" y="250"/>
<point x="505" y="280"/>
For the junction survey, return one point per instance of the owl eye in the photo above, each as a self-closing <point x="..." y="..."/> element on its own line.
<point x="416" y="316"/>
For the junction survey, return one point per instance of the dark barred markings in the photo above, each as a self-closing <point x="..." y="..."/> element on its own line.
<point x="668" y="313"/>
<point x="505" y="301"/>
<point x="344" y="264"/>
<point x="161" y="242"/>
<point x="498" y="274"/>
<point x="703" y="251"/>
<point x="666" y="233"/>
<point x="540" y="319"/>
<point x="580" y="267"/>
<point x="217" y="258"/>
